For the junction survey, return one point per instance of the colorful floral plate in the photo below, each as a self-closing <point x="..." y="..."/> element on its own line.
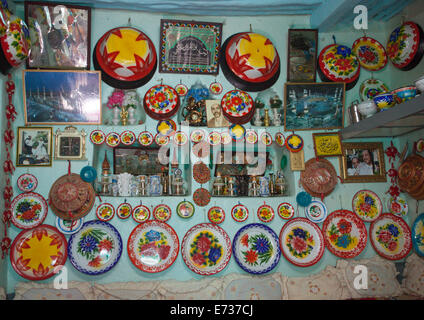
<point x="301" y="242"/>
<point x="185" y="209"/>
<point x="256" y="248"/>
<point x="29" y="210"/>
<point x="141" y="213"/>
<point x="251" y="136"/>
<point x="145" y="138"/>
<point x="153" y="246"/>
<point x="280" y="139"/>
<point x="97" y="137"/>
<point x="371" y="88"/>
<point x="180" y="138"/>
<point x="285" y="210"/>
<point x="206" y="249"/>
<point x="237" y="106"/>
<point x="162" y="212"/>
<point x="197" y="135"/>
<point x="316" y="211"/>
<point x="166" y="127"/>
<point x="398" y="207"/>
<point x="371" y="53"/>
<point x="36" y="253"/>
<point x="68" y="227"/>
<point x="239" y="213"/>
<point x="345" y="234"/>
<point x="294" y="143"/>
<point x="161" y="102"/>
<point x="266" y="138"/>
<point x="391" y="237"/>
<point x="105" y="212"/>
<point x="237" y="132"/>
<point x="367" y="205"/>
<point x="161" y="140"/>
<point x="124" y="210"/>
<point x="266" y="213"/>
<point x="127" y="137"/>
<point x="216" y="215"/>
<point x="95" y="248"/>
<point x="181" y="89"/>
<point x="113" y="139"/>
<point x="418" y="235"/>
<point x="226" y="137"/>
<point x="214" y="138"/>
<point x="27" y="182"/>
<point x="215" y="88"/>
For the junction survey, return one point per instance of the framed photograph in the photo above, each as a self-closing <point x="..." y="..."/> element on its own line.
<point x="70" y="144"/>
<point x="189" y="47"/>
<point x="314" y="106"/>
<point x="214" y="116"/>
<point x="302" y="55"/>
<point x="297" y="161"/>
<point x="363" y="162"/>
<point x="328" y="144"/>
<point x="62" y="97"/>
<point x="34" y="147"/>
<point x="60" y="35"/>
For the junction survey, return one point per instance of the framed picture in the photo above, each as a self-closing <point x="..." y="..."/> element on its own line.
<point x="313" y="106"/>
<point x="34" y="147"/>
<point x="302" y="55"/>
<point x="62" y="97"/>
<point x="189" y="47"/>
<point x="70" y="144"/>
<point x="59" y="34"/>
<point x="328" y="144"/>
<point x="215" y="117"/>
<point x="363" y="162"/>
<point x="297" y="161"/>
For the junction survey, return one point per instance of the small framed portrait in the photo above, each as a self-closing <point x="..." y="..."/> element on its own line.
<point x="34" y="147"/>
<point x="327" y="144"/>
<point x="214" y="115"/>
<point x="70" y="144"/>
<point x="302" y="55"/>
<point x="363" y="162"/>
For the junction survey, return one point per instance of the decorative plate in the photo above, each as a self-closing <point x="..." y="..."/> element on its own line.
<point x="201" y="149"/>
<point x="206" y="249"/>
<point x="69" y="227"/>
<point x="319" y="177"/>
<point x="112" y="139"/>
<point x="237" y="104"/>
<point x="367" y="205"/>
<point x="181" y="89"/>
<point x="215" y="88"/>
<point x="145" y="138"/>
<point x="27" y="182"/>
<point x="201" y="173"/>
<point x="214" y="138"/>
<point x="256" y="248"/>
<point x="301" y="242"/>
<point x="37" y="252"/>
<point x="239" y="212"/>
<point x="95" y="248"/>
<point x="166" y="127"/>
<point x="371" y="53"/>
<point x="398" y="207"/>
<point x="420" y="145"/>
<point x="294" y="143"/>
<point x="226" y="137"/>
<point x="97" y="137"/>
<point x="180" y="138"/>
<point x="266" y="213"/>
<point x="216" y="215"/>
<point x="141" y="213"/>
<point x="29" y="210"/>
<point x="345" y="234"/>
<point x="403" y="46"/>
<point x="266" y="138"/>
<point x="371" y="88"/>
<point x="391" y="237"/>
<point x="251" y="136"/>
<point x="124" y="210"/>
<point x="418" y="235"/>
<point x="316" y="211"/>
<point x="105" y="212"/>
<point x="162" y="212"/>
<point x="197" y="135"/>
<point x="237" y="132"/>
<point x="201" y="197"/>
<point x="127" y="137"/>
<point x="161" y="140"/>
<point x="161" y="102"/>
<point x="285" y="210"/>
<point x="185" y="209"/>
<point x="153" y="246"/>
<point x="280" y="139"/>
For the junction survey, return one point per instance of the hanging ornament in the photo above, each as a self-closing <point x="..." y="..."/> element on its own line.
<point x="215" y="88"/>
<point x="391" y="152"/>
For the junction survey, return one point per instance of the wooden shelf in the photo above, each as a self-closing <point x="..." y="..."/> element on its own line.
<point x="401" y="119"/>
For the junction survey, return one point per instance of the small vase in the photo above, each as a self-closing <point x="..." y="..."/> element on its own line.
<point x="257" y="118"/>
<point x="124" y="117"/>
<point x="131" y="119"/>
<point x="276" y="117"/>
<point x="115" y="119"/>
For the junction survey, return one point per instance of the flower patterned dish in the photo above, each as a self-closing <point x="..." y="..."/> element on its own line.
<point x="238" y="106"/>
<point x="145" y="138"/>
<point x="161" y="102"/>
<point x="29" y="210"/>
<point x="404" y="94"/>
<point x="285" y="210"/>
<point x="398" y="206"/>
<point x="216" y="215"/>
<point x="239" y="212"/>
<point x="127" y="137"/>
<point x="27" y="182"/>
<point x="105" y="212"/>
<point x="162" y="212"/>
<point x="367" y="205"/>
<point x="251" y="136"/>
<point x="265" y="213"/>
<point x="370" y="88"/>
<point x="69" y="227"/>
<point x="112" y="139"/>
<point x="124" y="210"/>
<point x="185" y="209"/>
<point x="371" y="53"/>
<point x="367" y="108"/>
<point x="141" y="213"/>
<point x="418" y="235"/>
<point x="97" y="137"/>
<point x="384" y="101"/>
<point x="316" y="211"/>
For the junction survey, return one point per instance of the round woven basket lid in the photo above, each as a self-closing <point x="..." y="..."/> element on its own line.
<point x="411" y="173"/>
<point x="371" y="53"/>
<point x="405" y="46"/>
<point x="238" y="106"/>
<point x="201" y="197"/>
<point x="161" y="102"/>
<point x="71" y="198"/>
<point x="319" y="177"/>
<point x="201" y="173"/>
<point x="126" y="57"/>
<point x="250" y="61"/>
<point x="337" y="63"/>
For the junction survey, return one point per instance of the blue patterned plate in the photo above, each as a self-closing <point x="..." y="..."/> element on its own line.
<point x="95" y="248"/>
<point x="256" y="248"/>
<point x="418" y="235"/>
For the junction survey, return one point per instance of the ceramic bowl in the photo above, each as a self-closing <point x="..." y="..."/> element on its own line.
<point x="404" y="94"/>
<point x="88" y="174"/>
<point x="384" y="101"/>
<point x="367" y="108"/>
<point x="419" y="84"/>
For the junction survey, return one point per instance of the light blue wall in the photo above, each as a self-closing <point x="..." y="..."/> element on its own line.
<point x="274" y="27"/>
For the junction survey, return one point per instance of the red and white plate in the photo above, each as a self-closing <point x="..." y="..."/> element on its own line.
<point x="266" y="213"/>
<point x="153" y="246"/>
<point x="124" y="210"/>
<point x="285" y="210"/>
<point x="105" y="212"/>
<point x="29" y="210"/>
<point x="239" y="212"/>
<point x="127" y="137"/>
<point x="113" y="139"/>
<point x="216" y="215"/>
<point x="162" y="212"/>
<point x="27" y="182"/>
<point x="97" y="137"/>
<point x="145" y="138"/>
<point x="141" y="213"/>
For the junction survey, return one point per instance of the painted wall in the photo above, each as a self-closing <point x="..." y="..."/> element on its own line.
<point x="276" y="28"/>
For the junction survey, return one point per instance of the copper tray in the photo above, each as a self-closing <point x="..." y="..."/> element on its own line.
<point x="411" y="174"/>
<point x="319" y="178"/>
